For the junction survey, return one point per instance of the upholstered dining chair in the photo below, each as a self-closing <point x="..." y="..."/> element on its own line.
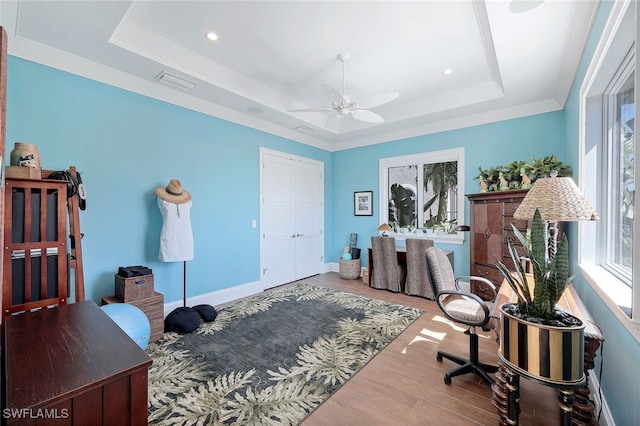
<point x="387" y="273"/>
<point x="418" y="282"/>
<point x="461" y="307"/>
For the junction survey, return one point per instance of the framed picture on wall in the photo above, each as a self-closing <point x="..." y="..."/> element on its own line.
<point x="363" y="203"/>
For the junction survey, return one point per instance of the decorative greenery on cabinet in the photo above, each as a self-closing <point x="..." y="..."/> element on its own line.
<point x="520" y="174"/>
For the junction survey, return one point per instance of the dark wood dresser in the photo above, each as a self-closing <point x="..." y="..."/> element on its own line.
<point x="491" y="218"/>
<point x="72" y="365"/>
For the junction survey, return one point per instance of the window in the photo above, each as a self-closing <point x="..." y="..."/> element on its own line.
<point x="421" y="195"/>
<point x="618" y="174"/>
<point x="607" y="136"/>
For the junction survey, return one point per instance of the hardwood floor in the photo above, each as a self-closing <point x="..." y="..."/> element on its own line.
<point x="403" y="384"/>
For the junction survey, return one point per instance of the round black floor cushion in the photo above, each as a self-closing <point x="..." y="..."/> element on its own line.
<point x="182" y="320"/>
<point x="207" y="312"/>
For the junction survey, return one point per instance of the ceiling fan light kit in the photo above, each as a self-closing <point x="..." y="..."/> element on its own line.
<point x="343" y="105"/>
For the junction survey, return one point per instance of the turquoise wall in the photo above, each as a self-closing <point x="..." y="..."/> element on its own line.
<point x="485" y="146"/>
<point x="126" y="145"/>
<point x="620" y="375"/>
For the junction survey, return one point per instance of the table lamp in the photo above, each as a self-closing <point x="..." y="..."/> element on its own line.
<point x="384" y="228"/>
<point x="559" y="200"/>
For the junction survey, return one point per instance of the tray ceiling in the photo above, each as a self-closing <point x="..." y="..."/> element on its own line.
<point x="508" y="58"/>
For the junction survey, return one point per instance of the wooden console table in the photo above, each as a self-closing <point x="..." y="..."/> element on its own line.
<point x="72" y="365"/>
<point x="579" y="403"/>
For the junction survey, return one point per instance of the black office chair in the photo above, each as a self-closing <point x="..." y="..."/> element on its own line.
<point x="461" y="307"/>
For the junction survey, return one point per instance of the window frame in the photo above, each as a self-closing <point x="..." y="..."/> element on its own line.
<point x="442" y="156"/>
<point x="618" y="38"/>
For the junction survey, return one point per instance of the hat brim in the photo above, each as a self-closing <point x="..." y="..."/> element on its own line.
<point x="162" y="193"/>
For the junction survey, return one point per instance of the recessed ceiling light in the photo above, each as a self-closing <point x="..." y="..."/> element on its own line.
<point x="255" y="110"/>
<point x="212" y="36"/>
<point x="447" y="71"/>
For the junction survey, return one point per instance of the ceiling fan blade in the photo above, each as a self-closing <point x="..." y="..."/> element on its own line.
<point x="332" y="94"/>
<point x="367" y="116"/>
<point x="334" y="121"/>
<point x="311" y="110"/>
<point x="376" y="100"/>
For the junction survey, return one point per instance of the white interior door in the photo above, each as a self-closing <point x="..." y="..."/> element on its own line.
<point x="291" y="218"/>
<point x="308" y="214"/>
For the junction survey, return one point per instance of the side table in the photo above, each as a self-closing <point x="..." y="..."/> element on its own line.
<point x="582" y="406"/>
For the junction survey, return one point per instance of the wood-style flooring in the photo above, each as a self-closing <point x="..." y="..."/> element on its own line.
<point x="403" y="384"/>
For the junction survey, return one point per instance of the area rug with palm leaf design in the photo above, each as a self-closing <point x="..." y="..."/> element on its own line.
<point x="270" y="359"/>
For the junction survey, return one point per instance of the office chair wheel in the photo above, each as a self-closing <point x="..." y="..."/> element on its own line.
<point x="439" y="357"/>
<point x="447" y="379"/>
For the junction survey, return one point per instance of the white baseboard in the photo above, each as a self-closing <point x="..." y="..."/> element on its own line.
<point x="219" y="297"/>
<point x="332" y="267"/>
<point x="605" y="418"/>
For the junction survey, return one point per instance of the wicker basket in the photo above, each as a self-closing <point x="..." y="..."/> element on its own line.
<point x="350" y="269"/>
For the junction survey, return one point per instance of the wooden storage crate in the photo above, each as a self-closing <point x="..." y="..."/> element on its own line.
<point x="153" y="307"/>
<point x="22" y="172"/>
<point x="134" y="288"/>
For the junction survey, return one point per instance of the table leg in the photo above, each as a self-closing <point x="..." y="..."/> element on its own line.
<point x="513" y="397"/>
<point x="565" y="396"/>
<point x="499" y="395"/>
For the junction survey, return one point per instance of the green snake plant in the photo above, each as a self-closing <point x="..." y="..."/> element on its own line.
<point x="550" y="275"/>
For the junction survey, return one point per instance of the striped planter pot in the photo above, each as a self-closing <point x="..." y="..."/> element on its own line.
<point x="553" y="355"/>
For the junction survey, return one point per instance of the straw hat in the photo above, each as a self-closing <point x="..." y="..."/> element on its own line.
<point x="173" y="192"/>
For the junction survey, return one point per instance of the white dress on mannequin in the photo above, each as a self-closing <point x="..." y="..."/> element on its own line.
<point x="176" y="237"/>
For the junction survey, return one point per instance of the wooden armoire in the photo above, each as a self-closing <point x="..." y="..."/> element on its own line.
<point x="491" y="219"/>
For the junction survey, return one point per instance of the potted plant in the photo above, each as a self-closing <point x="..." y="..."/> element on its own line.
<point x="536" y="338"/>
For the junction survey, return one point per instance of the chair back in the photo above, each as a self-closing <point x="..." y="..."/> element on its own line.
<point x="386" y="273"/>
<point x="440" y="270"/>
<point x="418" y="282"/>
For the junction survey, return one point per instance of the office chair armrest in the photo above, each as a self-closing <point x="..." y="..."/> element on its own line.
<point x="481" y="279"/>
<point x="473" y="297"/>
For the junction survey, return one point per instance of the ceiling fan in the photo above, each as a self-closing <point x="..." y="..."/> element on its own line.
<point x="343" y="105"/>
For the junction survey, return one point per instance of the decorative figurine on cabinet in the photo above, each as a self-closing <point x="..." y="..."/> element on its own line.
<point x="504" y="185"/>
<point x="526" y="182"/>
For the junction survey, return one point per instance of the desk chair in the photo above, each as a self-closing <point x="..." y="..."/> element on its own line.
<point x="461" y="307"/>
<point x="386" y="274"/>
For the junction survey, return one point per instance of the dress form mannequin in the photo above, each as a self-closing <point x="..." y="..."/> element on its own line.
<point x="176" y="237"/>
<point x="176" y="244"/>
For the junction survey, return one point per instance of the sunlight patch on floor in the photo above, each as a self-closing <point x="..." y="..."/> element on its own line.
<point x="425" y="335"/>
<point x="449" y="323"/>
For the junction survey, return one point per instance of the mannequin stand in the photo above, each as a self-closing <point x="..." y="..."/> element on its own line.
<point x="184" y="284"/>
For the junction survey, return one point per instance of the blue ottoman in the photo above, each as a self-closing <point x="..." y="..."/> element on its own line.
<point x="131" y="320"/>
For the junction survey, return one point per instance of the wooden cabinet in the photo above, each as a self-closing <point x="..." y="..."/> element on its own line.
<point x="35" y="245"/>
<point x="72" y="365"/>
<point x="491" y="219"/>
<point x="3" y="120"/>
